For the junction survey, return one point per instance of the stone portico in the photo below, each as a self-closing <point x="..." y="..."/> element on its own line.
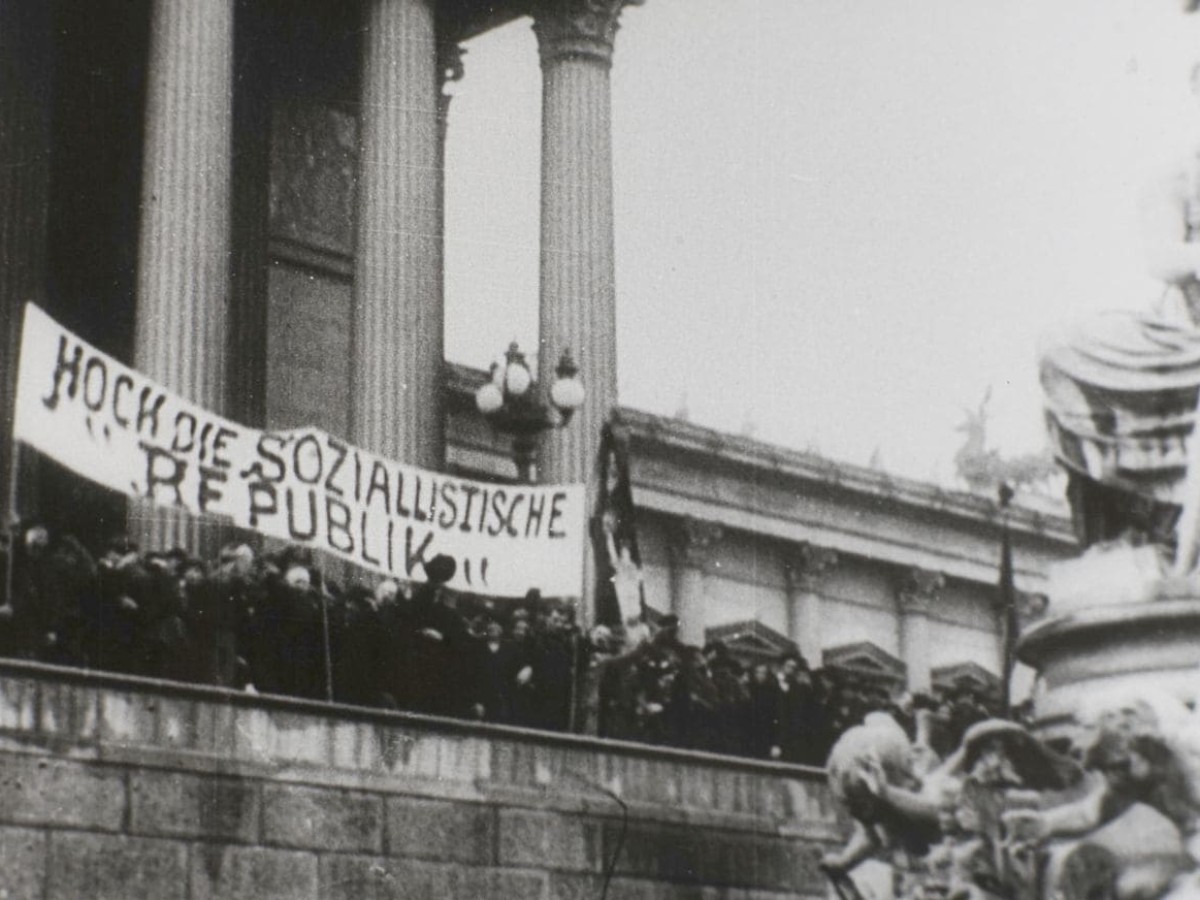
<point x="245" y="201"/>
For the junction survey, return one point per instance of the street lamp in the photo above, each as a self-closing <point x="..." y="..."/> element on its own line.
<point x="510" y="400"/>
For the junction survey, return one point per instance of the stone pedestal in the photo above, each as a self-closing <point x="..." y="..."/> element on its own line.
<point x="397" y="402"/>
<point x="577" y="293"/>
<point x="917" y="593"/>
<point x="692" y="545"/>
<point x="1105" y="655"/>
<point x="183" y="264"/>
<point x="805" y="570"/>
<point x="1152" y="646"/>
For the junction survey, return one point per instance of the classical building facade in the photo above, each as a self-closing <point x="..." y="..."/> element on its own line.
<point x="244" y="200"/>
<point x="771" y="549"/>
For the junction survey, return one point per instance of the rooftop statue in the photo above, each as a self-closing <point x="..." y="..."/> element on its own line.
<point x="983" y="469"/>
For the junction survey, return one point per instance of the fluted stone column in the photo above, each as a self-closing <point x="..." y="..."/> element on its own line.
<point x="24" y="191"/>
<point x="917" y="593"/>
<point x="577" y="287"/>
<point x="692" y="547"/>
<point x="396" y="397"/>
<point x="183" y="262"/>
<point x="805" y="570"/>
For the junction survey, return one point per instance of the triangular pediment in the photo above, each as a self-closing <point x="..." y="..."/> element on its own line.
<point x="652" y="615"/>
<point x="970" y="673"/>
<point x="865" y="659"/>
<point x="750" y="641"/>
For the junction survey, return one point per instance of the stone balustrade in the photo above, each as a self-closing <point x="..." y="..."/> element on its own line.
<point x="134" y="788"/>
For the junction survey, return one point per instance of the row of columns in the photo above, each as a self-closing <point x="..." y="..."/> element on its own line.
<point x="183" y="286"/>
<point x="183" y="292"/>
<point x="694" y="558"/>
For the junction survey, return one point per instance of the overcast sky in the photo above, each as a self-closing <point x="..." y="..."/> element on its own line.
<point x="839" y="221"/>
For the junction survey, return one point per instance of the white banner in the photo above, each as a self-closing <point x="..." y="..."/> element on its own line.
<point x="118" y="428"/>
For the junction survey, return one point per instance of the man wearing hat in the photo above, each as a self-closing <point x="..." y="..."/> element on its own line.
<point x="798" y="713"/>
<point x="439" y="643"/>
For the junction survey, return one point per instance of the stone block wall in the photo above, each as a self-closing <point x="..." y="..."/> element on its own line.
<point x="118" y="788"/>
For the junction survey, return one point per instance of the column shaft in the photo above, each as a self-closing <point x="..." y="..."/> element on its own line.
<point x="24" y="191"/>
<point x="915" y="598"/>
<point x="688" y="603"/>
<point x="914" y="649"/>
<point x="804" y="625"/>
<point x="397" y="405"/>
<point x="577" y="294"/>
<point x="691" y="547"/>
<point x="183" y="265"/>
<point x="804" y="570"/>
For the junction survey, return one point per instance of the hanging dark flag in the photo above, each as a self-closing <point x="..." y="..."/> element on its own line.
<point x="619" y="593"/>
<point x="1011" y="627"/>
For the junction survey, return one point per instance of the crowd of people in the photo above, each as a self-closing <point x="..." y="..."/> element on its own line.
<point x="662" y="691"/>
<point x="271" y="623"/>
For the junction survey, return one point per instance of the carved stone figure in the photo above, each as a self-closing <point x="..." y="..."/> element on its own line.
<point x="943" y="829"/>
<point x="1142" y="749"/>
<point x="1121" y="387"/>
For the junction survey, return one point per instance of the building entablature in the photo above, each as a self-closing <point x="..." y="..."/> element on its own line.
<point x="683" y="470"/>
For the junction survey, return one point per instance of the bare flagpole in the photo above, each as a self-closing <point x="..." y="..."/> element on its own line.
<point x="328" y="654"/>
<point x="14" y="467"/>
<point x="1008" y="598"/>
<point x="12" y="520"/>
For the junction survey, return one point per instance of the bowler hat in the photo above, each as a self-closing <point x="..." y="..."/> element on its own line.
<point x="440" y="569"/>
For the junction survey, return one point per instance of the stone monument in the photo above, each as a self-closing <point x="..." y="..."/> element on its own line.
<point x="1098" y="796"/>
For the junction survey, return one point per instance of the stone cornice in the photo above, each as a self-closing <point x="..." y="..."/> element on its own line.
<point x="674" y="435"/>
<point x="577" y="29"/>
<point x="461" y="20"/>
<point x="807" y="567"/>
<point x="682" y="469"/>
<point x="736" y="449"/>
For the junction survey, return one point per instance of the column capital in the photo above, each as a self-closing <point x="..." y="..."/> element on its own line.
<point x="693" y="540"/>
<point x="578" y="28"/>
<point x="806" y="566"/>
<point x="918" y="590"/>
